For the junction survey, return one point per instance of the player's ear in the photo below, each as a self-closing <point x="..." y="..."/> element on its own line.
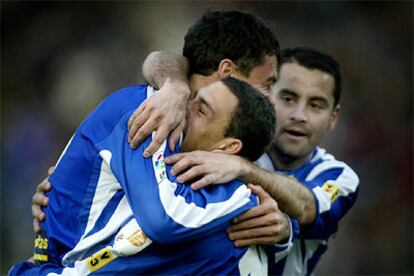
<point x="229" y="146"/>
<point x="334" y="116"/>
<point x="226" y="68"/>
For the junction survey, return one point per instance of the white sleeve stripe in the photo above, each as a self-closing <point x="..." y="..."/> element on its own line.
<point x="324" y="166"/>
<point x="324" y="199"/>
<point x="64" y="150"/>
<point x="192" y="216"/>
<point x="105" y="189"/>
<point x="188" y="214"/>
<point x="79" y="268"/>
<point x="121" y="214"/>
<point x="150" y="91"/>
<point x="347" y="183"/>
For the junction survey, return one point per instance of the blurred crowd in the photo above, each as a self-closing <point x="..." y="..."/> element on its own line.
<point x="60" y="59"/>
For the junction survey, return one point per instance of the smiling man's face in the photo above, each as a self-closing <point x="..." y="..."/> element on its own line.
<point x="304" y="107"/>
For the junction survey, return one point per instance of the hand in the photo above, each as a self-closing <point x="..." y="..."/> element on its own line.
<point x="213" y="168"/>
<point x="39" y="199"/>
<point x="263" y="224"/>
<point x="164" y="112"/>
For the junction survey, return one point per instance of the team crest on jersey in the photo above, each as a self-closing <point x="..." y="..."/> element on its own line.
<point x="160" y="166"/>
<point x="138" y="238"/>
<point x="332" y="190"/>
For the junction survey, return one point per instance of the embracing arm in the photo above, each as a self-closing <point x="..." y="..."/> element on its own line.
<point x="292" y="197"/>
<point x="159" y="66"/>
<point x="165" y="111"/>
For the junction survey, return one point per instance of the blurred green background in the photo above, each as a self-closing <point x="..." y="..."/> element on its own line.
<point x="60" y="59"/>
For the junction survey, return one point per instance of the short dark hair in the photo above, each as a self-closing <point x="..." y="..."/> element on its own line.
<point x="253" y="121"/>
<point x="241" y="37"/>
<point x="315" y="59"/>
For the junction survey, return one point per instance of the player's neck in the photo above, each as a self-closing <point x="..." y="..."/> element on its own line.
<point x="197" y="81"/>
<point x="284" y="161"/>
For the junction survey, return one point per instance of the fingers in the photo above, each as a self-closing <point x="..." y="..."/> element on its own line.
<point x="43" y="187"/>
<point x="266" y="220"/>
<point x="205" y="181"/>
<point x="143" y="126"/>
<point x="36" y="226"/>
<point x="259" y="191"/>
<point x="254" y="212"/>
<point x="50" y="171"/>
<point x="175" y="135"/>
<point x="142" y="131"/>
<point x="192" y="173"/>
<point x="182" y="162"/>
<point x="248" y="242"/>
<point x="40" y="199"/>
<point x="37" y="213"/>
<point x="157" y="141"/>
<point x="172" y="159"/>
<point x="265" y="231"/>
<point x="139" y="110"/>
<point x="271" y="234"/>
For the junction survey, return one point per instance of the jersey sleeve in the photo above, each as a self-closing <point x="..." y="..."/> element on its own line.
<point x="335" y="188"/>
<point x="167" y="211"/>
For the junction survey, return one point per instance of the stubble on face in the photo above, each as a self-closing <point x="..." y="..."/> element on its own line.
<point x="304" y="108"/>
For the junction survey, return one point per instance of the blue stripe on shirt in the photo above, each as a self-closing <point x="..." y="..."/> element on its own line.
<point x="106" y="213"/>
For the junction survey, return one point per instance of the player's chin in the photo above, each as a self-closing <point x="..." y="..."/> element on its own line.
<point x="295" y="150"/>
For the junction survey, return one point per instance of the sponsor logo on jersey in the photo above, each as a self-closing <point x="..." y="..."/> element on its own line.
<point x="332" y="190"/>
<point x="41" y="248"/>
<point x="138" y="238"/>
<point x="160" y="167"/>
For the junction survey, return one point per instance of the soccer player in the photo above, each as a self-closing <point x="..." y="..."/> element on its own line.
<point x="307" y="104"/>
<point x="107" y="198"/>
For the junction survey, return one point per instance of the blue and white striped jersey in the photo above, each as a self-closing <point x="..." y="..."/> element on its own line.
<point x="335" y="187"/>
<point x="108" y="203"/>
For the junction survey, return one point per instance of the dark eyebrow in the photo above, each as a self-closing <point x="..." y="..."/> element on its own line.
<point x="288" y="91"/>
<point x="321" y="99"/>
<point x="315" y="98"/>
<point x="272" y="80"/>
<point x="193" y="95"/>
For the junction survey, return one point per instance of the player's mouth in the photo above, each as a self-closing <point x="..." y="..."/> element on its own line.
<point x="296" y="133"/>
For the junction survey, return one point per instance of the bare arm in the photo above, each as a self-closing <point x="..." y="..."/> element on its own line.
<point x="165" y="111"/>
<point x="293" y="198"/>
<point x="160" y="66"/>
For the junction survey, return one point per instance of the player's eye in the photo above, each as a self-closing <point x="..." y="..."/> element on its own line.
<point x="287" y="99"/>
<point x="201" y="111"/>
<point x="315" y="106"/>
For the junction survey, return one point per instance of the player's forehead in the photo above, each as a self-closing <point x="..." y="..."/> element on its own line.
<point x="218" y="97"/>
<point x="302" y="80"/>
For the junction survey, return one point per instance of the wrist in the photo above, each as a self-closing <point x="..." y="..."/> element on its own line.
<point x="246" y="170"/>
<point x="180" y="87"/>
